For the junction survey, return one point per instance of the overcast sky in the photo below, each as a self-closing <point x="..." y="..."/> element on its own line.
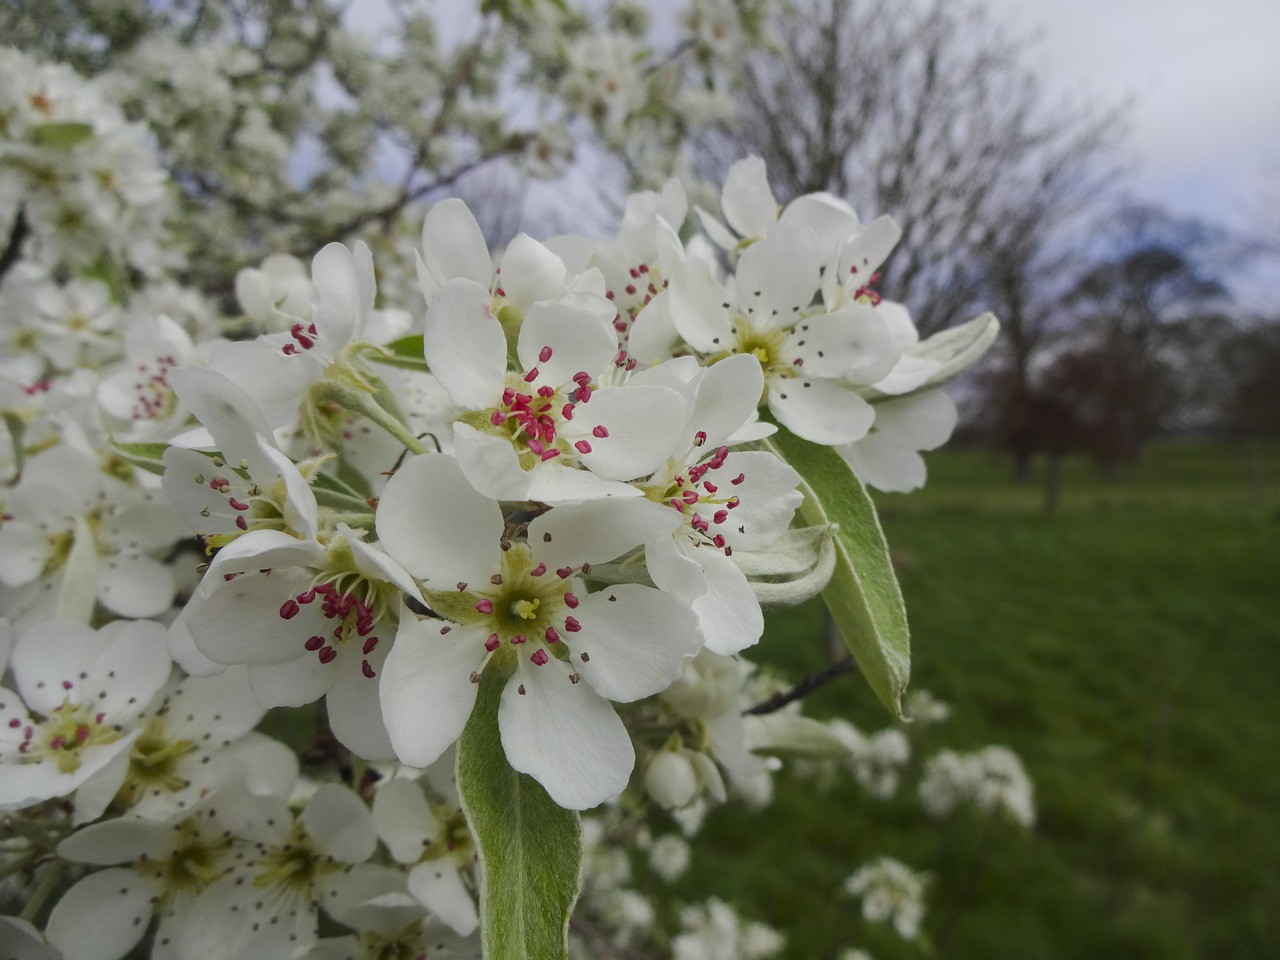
<point x="1203" y="79"/>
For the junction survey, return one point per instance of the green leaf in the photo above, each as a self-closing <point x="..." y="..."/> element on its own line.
<point x="409" y="347"/>
<point x="61" y="136"/>
<point x="863" y="594"/>
<point x="147" y="456"/>
<point x="957" y="349"/>
<point x="530" y="848"/>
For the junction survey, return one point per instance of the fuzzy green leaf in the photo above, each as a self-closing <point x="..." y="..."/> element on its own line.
<point x="530" y="848"/>
<point x="863" y="594"/>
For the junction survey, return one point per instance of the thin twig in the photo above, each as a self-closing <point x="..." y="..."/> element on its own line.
<point x="13" y="251"/>
<point x="804" y="687"/>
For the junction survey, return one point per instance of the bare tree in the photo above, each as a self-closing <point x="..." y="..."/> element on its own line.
<point x="926" y="111"/>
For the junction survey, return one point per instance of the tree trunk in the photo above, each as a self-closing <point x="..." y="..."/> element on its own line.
<point x="1052" y="484"/>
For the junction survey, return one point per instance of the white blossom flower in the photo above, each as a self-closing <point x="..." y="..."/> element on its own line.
<point x="526" y="432"/>
<point x="518" y="613"/>
<point x="433" y="841"/>
<point x="157" y="867"/>
<point x="993" y="779"/>
<point x="266" y="907"/>
<point x="726" y="500"/>
<point x="891" y="892"/>
<point x="81" y="693"/>
<point x="810" y="362"/>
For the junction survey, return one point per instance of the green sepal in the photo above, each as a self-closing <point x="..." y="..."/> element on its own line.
<point x="145" y="456"/>
<point x="863" y="594"/>
<point x="530" y="849"/>
<point x="61" y="136"/>
<point x="405" y="353"/>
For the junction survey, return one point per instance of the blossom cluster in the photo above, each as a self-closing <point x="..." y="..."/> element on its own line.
<point x="558" y="481"/>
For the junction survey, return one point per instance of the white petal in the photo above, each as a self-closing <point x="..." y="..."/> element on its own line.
<point x="340" y="824"/>
<point x="293" y="683"/>
<point x="464" y="345"/>
<point x="337" y="306"/>
<point x="131" y="667"/>
<point x="717" y="231"/>
<point x="403" y="819"/>
<point x="276" y="382"/>
<point x="823" y="412"/>
<point x="48" y="660"/>
<point x="674" y="572"/>
<point x="830" y="218"/>
<point x="453" y="246"/>
<point x="643" y="423"/>
<point x="374" y="564"/>
<point x="24" y="552"/>
<point x="553" y="483"/>
<point x="118" y="841"/>
<point x="578" y="342"/>
<point x="355" y="713"/>
<point x="653" y="332"/>
<point x="490" y="464"/>
<point x="909" y="373"/>
<point x="868" y="250"/>
<point x="221" y="706"/>
<point x="239" y="622"/>
<point x="136" y="586"/>
<point x="636" y="638"/>
<point x="426" y="688"/>
<point x="437" y="884"/>
<point x="104" y="915"/>
<point x="769" y="497"/>
<point x="884" y="466"/>
<point x="530" y="272"/>
<point x="598" y="531"/>
<point x="922" y="422"/>
<point x="696" y="302"/>
<point x="434" y="523"/>
<point x="565" y="736"/>
<point x="746" y="200"/>
<point x="97" y="791"/>
<point x="728" y="611"/>
<point x="229" y="414"/>
<point x="727" y="396"/>
<point x="779" y="273"/>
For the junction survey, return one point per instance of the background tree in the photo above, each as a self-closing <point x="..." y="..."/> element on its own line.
<point x="924" y="111"/>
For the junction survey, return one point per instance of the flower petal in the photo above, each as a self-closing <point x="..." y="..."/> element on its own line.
<point x="437" y="884"/>
<point x="403" y="819"/>
<point x="636" y="640"/>
<point x="340" y="824"/>
<point x="436" y="524"/>
<point x="564" y="735"/>
<point x="824" y="412"/>
<point x="453" y="246"/>
<point x="104" y="915"/>
<point x="426" y="689"/>
<point x="598" y="531"/>
<point x="464" y="345"/>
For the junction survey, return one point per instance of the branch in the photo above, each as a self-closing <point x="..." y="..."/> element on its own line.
<point x="13" y="252"/>
<point x="804" y="687"/>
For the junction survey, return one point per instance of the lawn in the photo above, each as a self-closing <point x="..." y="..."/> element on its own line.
<point x="1126" y="648"/>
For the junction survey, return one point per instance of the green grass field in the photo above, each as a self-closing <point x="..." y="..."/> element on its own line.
<point x="1128" y="648"/>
